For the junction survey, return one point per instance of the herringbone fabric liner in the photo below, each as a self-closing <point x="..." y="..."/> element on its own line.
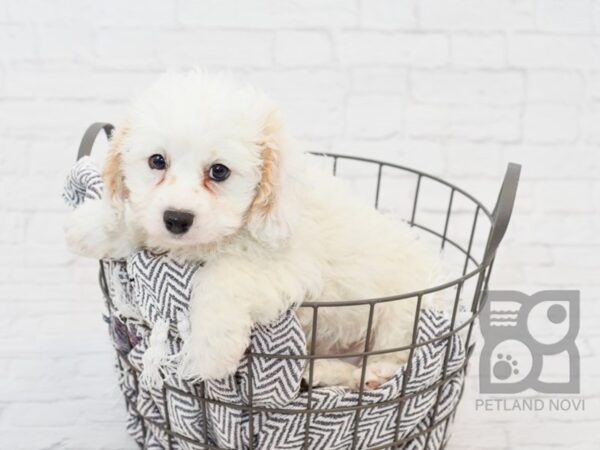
<point x="150" y="288"/>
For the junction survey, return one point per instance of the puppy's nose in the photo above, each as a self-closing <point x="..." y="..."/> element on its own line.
<point x="178" y="222"/>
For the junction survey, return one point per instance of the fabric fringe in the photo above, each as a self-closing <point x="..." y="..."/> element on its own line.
<point x="183" y="359"/>
<point x="156" y="355"/>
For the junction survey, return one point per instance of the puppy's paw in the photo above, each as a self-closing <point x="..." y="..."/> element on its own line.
<point x="95" y="230"/>
<point x="83" y="231"/>
<point x="216" y="340"/>
<point x="376" y="374"/>
<point x="207" y="365"/>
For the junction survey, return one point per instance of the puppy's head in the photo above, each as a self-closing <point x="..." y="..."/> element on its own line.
<point x="199" y="159"/>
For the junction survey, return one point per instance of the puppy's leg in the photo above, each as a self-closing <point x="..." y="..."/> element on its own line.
<point x="220" y="326"/>
<point x="331" y="372"/>
<point x="97" y="229"/>
<point x="393" y="328"/>
<point x="230" y="294"/>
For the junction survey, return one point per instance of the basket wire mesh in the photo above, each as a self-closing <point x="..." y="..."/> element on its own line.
<point x="476" y="252"/>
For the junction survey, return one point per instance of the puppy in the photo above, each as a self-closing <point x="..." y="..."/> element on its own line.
<point x="202" y="168"/>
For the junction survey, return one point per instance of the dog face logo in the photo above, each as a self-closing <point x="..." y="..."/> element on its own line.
<point x="525" y="337"/>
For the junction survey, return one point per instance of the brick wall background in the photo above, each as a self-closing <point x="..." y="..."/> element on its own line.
<point x="453" y="87"/>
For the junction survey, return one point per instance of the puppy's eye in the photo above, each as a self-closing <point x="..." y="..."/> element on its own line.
<point x="218" y="172"/>
<point x="157" y="162"/>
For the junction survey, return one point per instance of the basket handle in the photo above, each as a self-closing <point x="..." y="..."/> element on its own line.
<point x="503" y="210"/>
<point x="90" y="135"/>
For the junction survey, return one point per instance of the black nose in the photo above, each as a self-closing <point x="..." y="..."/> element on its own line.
<point x="178" y="222"/>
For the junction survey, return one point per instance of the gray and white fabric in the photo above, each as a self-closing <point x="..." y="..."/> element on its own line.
<point x="83" y="182"/>
<point x="150" y="291"/>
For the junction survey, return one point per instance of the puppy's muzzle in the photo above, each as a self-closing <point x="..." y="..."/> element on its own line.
<point x="178" y="222"/>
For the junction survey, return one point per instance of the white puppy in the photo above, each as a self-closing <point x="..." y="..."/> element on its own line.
<point x="202" y="169"/>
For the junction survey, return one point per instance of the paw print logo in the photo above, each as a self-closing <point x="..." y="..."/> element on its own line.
<point x="505" y="367"/>
<point x="520" y="333"/>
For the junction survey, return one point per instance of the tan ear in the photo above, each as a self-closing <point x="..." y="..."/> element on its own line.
<point x="114" y="182"/>
<point x="271" y="217"/>
<point x="266" y="192"/>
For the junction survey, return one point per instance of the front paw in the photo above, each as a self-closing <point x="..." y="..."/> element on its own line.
<point x="97" y="229"/>
<point x="211" y="349"/>
<point x="219" y="325"/>
<point x="83" y="232"/>
<point x="205" y="364"/>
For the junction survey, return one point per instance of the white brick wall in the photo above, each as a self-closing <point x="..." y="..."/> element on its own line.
<point x="455" y="87"/>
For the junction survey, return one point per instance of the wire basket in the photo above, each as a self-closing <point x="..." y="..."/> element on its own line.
<point x="469" y="235"/>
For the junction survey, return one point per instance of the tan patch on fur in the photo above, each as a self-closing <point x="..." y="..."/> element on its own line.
<point x="267" y="188"/>
<point x="266" y="192"/>
<point x="207" y="183"/>
<point x="112" y="173"/>
<point x="162" y="179"/>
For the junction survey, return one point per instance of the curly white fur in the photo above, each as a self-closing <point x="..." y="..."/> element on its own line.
<point x="275" y="234"/>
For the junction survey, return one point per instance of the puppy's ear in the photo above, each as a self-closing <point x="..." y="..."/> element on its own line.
<point x="272" y="214"/>
<point x="114" y="182"/>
